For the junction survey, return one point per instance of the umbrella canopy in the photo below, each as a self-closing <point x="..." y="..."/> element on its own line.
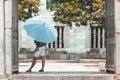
<point x="40" y="29"/>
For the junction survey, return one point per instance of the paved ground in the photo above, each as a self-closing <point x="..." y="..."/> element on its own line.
<point x="62" y="70"/>
<point x="61" y="66"/>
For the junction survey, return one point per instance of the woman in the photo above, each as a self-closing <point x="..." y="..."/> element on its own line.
<point x="39" y="51"/>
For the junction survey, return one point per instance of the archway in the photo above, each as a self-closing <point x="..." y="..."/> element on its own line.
<point x="9" y="33"/>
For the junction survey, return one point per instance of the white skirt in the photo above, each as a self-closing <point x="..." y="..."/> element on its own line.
<point x="40" y="52"/>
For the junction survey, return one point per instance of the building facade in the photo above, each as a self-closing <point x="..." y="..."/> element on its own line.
<point x="76" y="40"/>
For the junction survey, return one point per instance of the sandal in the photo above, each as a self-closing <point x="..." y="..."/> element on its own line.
<point x="41" y="70"/>
<point x="28" y="71"/>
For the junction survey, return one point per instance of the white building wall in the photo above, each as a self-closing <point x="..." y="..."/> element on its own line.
<point x="78" y="40"/>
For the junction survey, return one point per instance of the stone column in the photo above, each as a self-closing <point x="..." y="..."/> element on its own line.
<point x="117" y="36"/>
<point x="8" y="30"/>
<point x="98" y="38"/>
<point x="113" y="36"/>
<point x="60" y="37"/>
<point x="110" y="36"/>
<point x="2" y="47"/>
<point x="8" y="36"/>
<point x="94" y="37"/>
<point x="103" y="38"/>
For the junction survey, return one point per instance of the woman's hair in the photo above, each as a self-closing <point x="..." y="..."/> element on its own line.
<point x="39" y="43"/>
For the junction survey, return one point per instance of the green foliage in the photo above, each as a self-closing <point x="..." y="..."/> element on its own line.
<point x="28" y="8"/>
<point x="99" y="11"/>
<point x="78" y="11"/>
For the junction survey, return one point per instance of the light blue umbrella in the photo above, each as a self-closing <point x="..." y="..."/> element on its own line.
<point x="40" y="29"/>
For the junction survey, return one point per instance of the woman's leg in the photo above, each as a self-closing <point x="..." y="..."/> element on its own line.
<point x="33" y="64"/>
<point x="43" y="64"/>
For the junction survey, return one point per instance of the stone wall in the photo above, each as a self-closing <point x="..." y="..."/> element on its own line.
<point x="52" y="54"/>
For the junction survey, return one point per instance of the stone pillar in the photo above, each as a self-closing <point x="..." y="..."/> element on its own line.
<point x="2" y="47"/>
<point x="113" y="36"/>
<point x="117" y="36"/>
<point x="110" y="37"/>
<point x="98" y="38"/>
<point x="103" y="38"/>
<point x="60" y="37"/>
<point x="94" y="37"/>
<point x="9" y="37"/>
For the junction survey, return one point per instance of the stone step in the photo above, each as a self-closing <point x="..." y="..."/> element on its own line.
<point x="91" y="60"/>
<point x="49" y="61"/>
<point x="63" y="76"/>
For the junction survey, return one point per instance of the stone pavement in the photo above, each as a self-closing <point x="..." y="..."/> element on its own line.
<point x="61" y="70"/>
<point x="56" y="65"/>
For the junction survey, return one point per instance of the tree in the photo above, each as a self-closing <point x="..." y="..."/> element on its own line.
<point x="28" y="8"/>
<point x="98" y="13"/>
<point x="78" y="11"/>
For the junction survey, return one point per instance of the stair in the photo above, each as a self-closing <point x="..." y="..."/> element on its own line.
<point x="62" y="76"/>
